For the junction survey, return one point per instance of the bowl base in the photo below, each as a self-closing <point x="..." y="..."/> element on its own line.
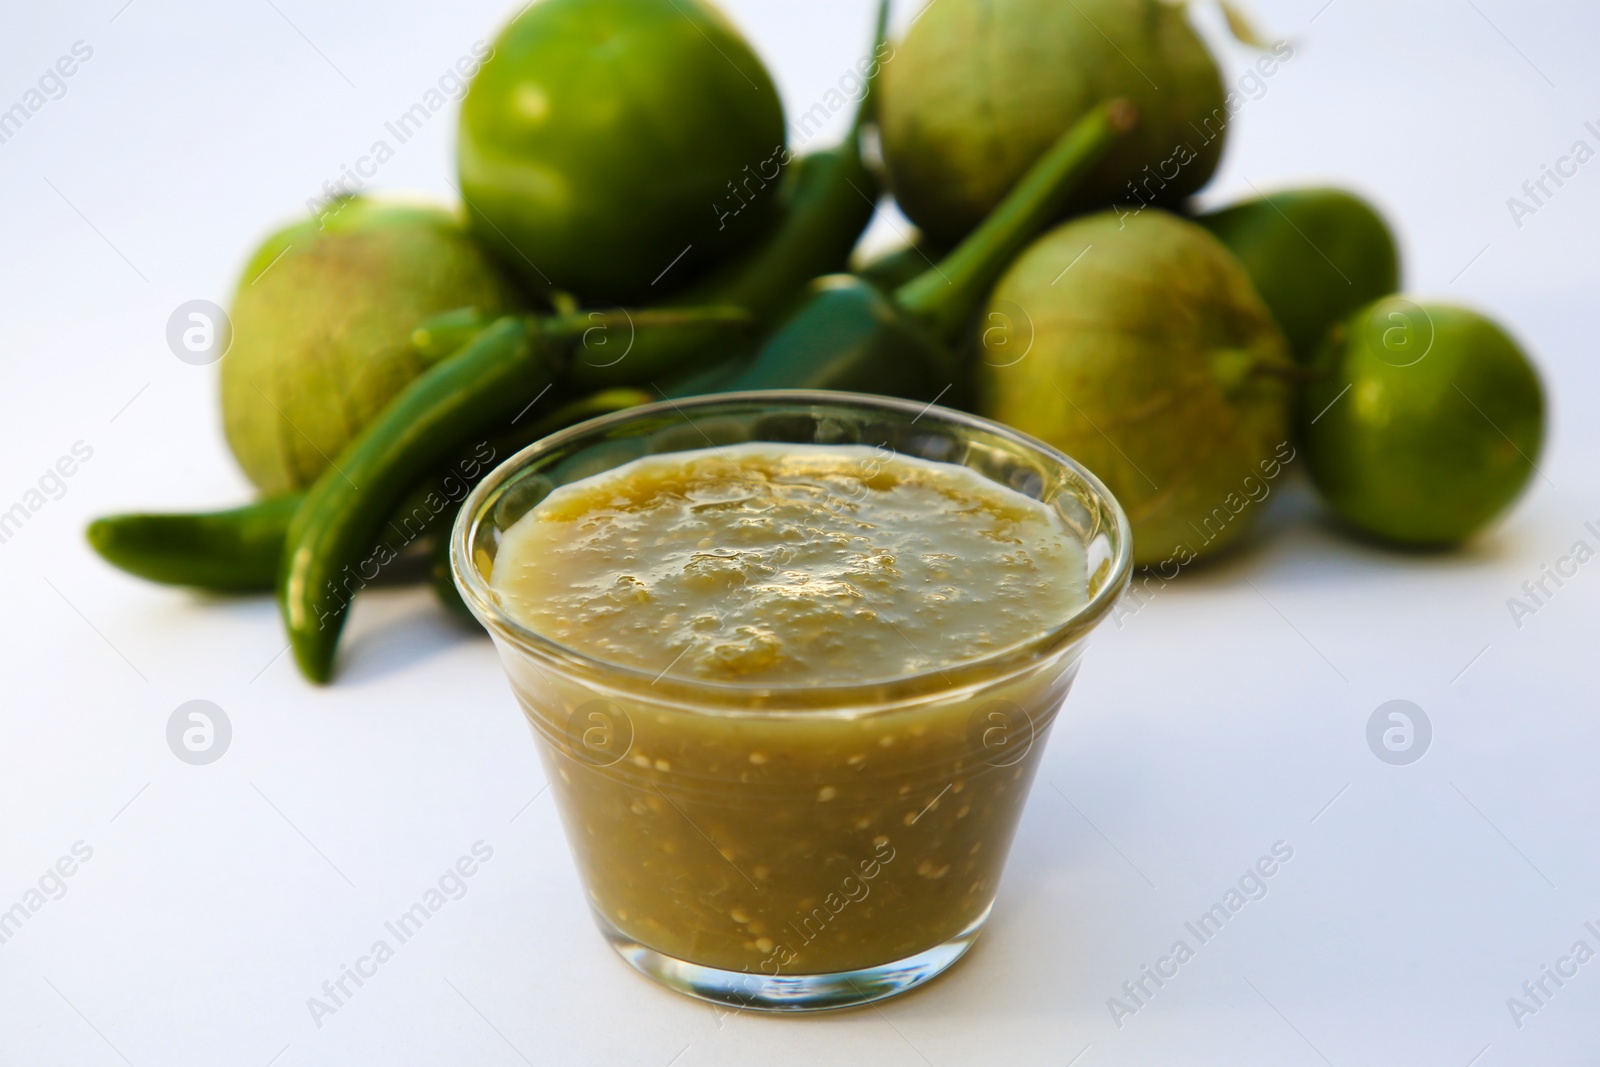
<point x="792" y="992"/>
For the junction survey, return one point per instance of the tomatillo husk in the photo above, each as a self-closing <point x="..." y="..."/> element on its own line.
<point x="322" y="323"/>
<point x="979" y="89"/>
<point x="1138" y="346"/>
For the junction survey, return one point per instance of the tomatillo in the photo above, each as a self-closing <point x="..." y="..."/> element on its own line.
<point x="1315" y="256"/>
<point x="614" y="148"/>
<point x="1138" y="346"/>
<point x="1426" y="425"/>
<point x="980" y="89"/>
<point x="322" y="321"/>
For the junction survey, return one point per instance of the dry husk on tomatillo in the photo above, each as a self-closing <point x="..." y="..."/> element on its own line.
<point x="1138" y="346"/>
<point x="980" y="89"/>
<point x="321" y="329"/>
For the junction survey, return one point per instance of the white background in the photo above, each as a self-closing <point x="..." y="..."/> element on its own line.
<point x="1222" y="718"/>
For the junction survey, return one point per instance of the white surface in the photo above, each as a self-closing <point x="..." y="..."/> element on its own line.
<point x="1221" y="719"/>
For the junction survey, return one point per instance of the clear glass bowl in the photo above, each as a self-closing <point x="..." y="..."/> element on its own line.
<point x="803" y="847"/>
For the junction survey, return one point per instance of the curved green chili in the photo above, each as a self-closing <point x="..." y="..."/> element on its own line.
<point x="442" y="335"/>
<point x="471" y="395"/>
<point x="590" y="407"/>
<point x="240" y="550"/>
<point x="325" y="553"/>
<point x="233" y="551"/>
<point x="443" y="583"/>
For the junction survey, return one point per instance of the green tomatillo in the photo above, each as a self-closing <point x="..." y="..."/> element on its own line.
<point x="1138" y="346"/>
<point x="825" y="200"/>
<point x="1315" y="256"/>
<point x="614" y="148"/>
<point x="321" y="328"/>
<point x="979" y="89"/>
<point x="1426" y="424"/>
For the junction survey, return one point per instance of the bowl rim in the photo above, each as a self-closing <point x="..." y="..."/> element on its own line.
<point x="757" y="699"/>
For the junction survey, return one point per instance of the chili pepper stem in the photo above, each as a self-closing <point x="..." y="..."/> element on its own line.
<point x="324" y="561"/>
<point x="946" y="296"/>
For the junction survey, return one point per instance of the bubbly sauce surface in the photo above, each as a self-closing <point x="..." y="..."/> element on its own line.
<point x="789" y="564"/>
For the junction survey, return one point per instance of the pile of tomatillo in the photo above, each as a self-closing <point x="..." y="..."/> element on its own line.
<point x="636" y="225"/>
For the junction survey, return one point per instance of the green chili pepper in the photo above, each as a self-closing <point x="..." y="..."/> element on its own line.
<point x="893" y="269"/>
<point x="850" y="335"/>
<point x="507" y="445"/>
<point x="443" y="335"/>
<point x="712" y="379"/>
<point x="236" y="551"/>
<point x="826" y="200"/>
<point x="606" y="402"/>
<point x="1316" y="256"/>
<point x="241" y="550"/>
<point x="498" y="375"/>
<point x="443" y="583"/>
<point x="500" y="371"/>
<point x="829" y="198"/>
